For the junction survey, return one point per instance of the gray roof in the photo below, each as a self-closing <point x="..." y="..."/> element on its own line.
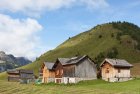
<point x="118" y="62"/>
<point x="73" y="60"/>
<point x="26" y="71"/>
<point x="49" y="65"/>
<point x="20" y="71"/>
<point x="13" y="71"/>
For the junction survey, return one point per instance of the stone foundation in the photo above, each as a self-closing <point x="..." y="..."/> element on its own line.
<point x="51" y="80"/>
<point x="122" y="79"/>
<point x="67" y="80"/>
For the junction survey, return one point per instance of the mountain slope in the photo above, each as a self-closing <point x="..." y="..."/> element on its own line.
<point x="107" y="40"/>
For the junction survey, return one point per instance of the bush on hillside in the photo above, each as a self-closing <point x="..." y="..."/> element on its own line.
<point x="99" y="59"/>
<point x="112" y="53"/>
<point x="128" y="29"/>
<point x="112" y="35"/>
<point x="100" y="36"/>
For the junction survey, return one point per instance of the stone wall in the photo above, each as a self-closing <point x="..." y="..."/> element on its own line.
<point x="51" y="80"/>
<point x="67" y="80"/>
<point x="122" y="79"/>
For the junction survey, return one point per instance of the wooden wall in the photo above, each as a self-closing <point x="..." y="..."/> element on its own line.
<point x="86" y="69"/>
<point x="59" y="70"/>
<point x="124" y="72"/>
<point x="69" y="71"/>
<point x="47" y="74"/>
<point x="13" y="75"/>
<point x="108" y="71"/>
<point x="17" y="75"/>
<point x="26" y="75"/>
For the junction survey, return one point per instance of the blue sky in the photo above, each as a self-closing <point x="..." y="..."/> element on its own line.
<point x="31" y="27"/>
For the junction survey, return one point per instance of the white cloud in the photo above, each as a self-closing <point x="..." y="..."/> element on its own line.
<point x="95" y="4"/>
<point x="37" y="6"/>
<point x="19" y="37"/>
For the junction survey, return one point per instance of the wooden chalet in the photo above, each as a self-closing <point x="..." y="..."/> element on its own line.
<point x="47" y="73"/>
<point x="73" y="70"/>
<point x="20" y="75"/>
<point x="114" y="70"/>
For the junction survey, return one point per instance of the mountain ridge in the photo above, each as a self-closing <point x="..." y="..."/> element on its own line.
<point x="11" y="61"/>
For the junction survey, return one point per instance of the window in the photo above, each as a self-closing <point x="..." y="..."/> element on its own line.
<point x="107" y="70"/>
<point x="119" y="70"/>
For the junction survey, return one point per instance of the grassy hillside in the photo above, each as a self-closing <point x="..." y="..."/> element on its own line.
<point x="85" y="87"/>
<point x="107" y="40"/>
<point x="136" y="70"/>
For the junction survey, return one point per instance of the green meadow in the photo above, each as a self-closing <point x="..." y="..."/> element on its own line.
<point x="85" y="87"/>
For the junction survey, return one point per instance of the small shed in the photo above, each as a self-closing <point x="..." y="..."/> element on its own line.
<point x="115" y="70"/>
<point x="20" y="75"/>
<point x="48" y="74"/>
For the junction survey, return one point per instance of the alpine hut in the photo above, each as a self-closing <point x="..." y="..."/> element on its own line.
<point x="48" y="74"/>
<point x="115" y="70"/>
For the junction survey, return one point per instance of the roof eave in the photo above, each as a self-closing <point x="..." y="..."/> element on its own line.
<point x="117" y="66"/>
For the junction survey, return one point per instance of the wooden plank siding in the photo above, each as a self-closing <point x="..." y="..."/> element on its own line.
<point x="13" y="75"/>
<point x="69" y="71"/>
<point x="47" y="74"/>
<point x="86" y="69"/>
<point x="59" y="70"/>
<point x="108" y="71"/>
<point x="17" y="75"/>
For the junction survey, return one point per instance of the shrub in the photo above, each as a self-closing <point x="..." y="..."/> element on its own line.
<point x="128" y="29"/>
<point x="100" y="36"/>
<point x="112" y="53"/>
<point x="100" y="58"/>
<point x="112" y="35"/>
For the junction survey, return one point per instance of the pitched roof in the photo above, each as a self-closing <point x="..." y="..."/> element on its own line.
<point x="19" y="71"/>
<point x="13" y="71"/>
<point x="73" y="60"/>
<point x="49" y="65"/>
<point x="117" y="62"/>
<point x="26" y="71"/>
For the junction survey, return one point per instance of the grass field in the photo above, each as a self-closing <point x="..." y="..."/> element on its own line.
<point x="87" y="87"/>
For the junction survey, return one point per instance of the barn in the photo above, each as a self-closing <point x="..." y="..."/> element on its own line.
<point x="48" y="74"/>
<point x="20" y="75"/>
<point x="115" y="70"/>
<point x="75" y="69"/>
